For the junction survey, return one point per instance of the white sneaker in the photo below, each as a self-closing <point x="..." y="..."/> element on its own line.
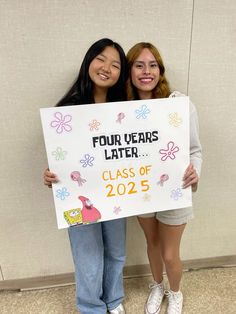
<point x="175" y="300"/>
<point x="118" y="310"/>
<point x="153" y="305"/>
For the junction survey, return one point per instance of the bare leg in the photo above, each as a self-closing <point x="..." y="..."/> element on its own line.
<point x="170" y="237"/>
<point x="150" y="228"/>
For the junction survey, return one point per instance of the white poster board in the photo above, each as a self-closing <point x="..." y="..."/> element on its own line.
<point x="117" y="159"/>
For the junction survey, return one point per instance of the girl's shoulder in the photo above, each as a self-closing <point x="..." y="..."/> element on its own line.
<point x="179" y="94"/>
<point x="176" y="94"/>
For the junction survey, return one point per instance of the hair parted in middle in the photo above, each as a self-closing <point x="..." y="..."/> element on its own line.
<point x="162" y="89"/>
<point x="81" y="92"/>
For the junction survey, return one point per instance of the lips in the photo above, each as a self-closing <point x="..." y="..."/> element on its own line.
<point x="145" y="80"/>
<point x="103" y="76"/>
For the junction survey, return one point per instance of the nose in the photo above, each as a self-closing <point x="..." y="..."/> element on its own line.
<point x="146" y="69"/>
<point x="106" y="67"/>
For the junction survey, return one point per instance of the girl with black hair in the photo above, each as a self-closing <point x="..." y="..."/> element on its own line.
<point x="98" y="249"/>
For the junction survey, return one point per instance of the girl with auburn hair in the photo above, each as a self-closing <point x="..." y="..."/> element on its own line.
<point x="98" y="249"/>
<point x="162" y="89"/>
<point x="163" y="230"/>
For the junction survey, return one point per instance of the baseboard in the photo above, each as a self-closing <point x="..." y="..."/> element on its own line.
<point x="129" y="272"/>
<point x="188" y="265"/>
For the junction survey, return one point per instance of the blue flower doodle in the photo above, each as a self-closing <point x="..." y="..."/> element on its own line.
<point x="62" y="193"/>
<point x="87" y="161"/>
<point x="142" y="112"/>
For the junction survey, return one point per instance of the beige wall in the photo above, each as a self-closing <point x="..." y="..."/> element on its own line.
<point x="42" y="45"/>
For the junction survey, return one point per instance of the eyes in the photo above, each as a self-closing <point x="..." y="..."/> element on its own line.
<point x="116" y="66"/>
<point x="100" y="58"/>
<point x="113" y="64"/>
<point x="88" y="203"/>
<point x="142" y="65"/>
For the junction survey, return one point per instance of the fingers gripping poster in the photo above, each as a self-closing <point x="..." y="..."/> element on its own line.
<point x="117" y="159"/>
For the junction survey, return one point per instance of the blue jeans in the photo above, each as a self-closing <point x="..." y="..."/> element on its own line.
<point x="99" y="255"/>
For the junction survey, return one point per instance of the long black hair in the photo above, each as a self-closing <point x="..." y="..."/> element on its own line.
<point x="81" y="91"/>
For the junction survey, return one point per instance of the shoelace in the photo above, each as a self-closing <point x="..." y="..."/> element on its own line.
<point x="155" y="297"/>
<point x="174" y="302"/>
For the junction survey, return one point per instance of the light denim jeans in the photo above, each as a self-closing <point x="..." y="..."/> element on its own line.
<point x="98" y="252"/>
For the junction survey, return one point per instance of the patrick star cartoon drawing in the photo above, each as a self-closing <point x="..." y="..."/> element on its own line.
<point x="89" y="213"/>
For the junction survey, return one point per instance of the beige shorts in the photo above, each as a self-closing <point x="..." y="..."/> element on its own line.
<point x="172" y="217"/>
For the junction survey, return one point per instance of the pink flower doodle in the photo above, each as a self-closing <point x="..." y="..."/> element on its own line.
<point x="169" y="152"/>
<point x="61" y="123"/>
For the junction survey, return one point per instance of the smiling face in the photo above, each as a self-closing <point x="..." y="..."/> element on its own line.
<point x="145" y="74"/>
<point x="104" y="70"/>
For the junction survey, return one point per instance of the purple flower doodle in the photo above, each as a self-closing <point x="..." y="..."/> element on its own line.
<point x="61" y="123"/>
<point x="176" y="194"/>
<point x="87" y="161"/>
<point x="117" y="210"/>
<point x="169" y="152"/>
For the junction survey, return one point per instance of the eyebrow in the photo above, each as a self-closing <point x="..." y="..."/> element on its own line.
<point x="152" y="61"/>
